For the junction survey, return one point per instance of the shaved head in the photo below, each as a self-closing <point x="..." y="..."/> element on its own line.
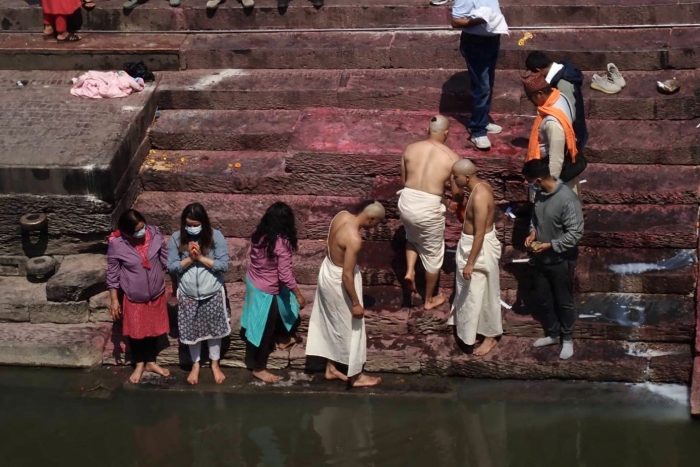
<point x="464" y="167"/>
<point x="439" y="124"/>
<point x="375" y="210"/>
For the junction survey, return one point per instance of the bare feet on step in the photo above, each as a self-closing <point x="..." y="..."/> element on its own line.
<point x="193" y="377"/>
<point x="135" y="377"/>
<point x="155" y="368"/>
<point x="266" y="377"/>
<point x="365" y="381"/>
<point x="333" y="373"/>
<point x="486" y="346"/>
<point x="219" y="375"/>
<point x="434" y="302"/>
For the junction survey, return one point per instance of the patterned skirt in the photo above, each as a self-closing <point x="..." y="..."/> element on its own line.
<point x="200" y="320"/>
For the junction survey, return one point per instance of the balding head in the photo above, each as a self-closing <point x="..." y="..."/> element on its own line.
<point x="439" y="127"/>
<point x="462" y="170"/>
<point x="372" y="214"/>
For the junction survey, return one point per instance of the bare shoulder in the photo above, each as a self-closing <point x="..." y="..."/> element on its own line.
<point x="483" y="193"/>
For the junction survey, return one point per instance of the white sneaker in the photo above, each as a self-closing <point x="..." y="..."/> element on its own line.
<point x="604" y="84"/>
<point x="567" y="350"/>
<point x="213" y="4"/>
<point x="493" y="128"/>
<point x="248" y="3"/>
<point x="438" y="2"/>
<point x="615" y="76"/>
<point x="545" y="341"/>
<point x="481" y="142"/>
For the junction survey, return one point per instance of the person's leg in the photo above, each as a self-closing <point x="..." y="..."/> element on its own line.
<point x="543" y="298"/>
<point x="60" y="24"/>
<point x="256" y="357"/>
<point x="151" y="346"/>
<point x="563" y="291"/>
<point x="411" y="259"/>
<point x="138" y="357"/>
<point x="493" y="48"/>
<point x="431" y="281"/>
<point x="334" y="373"/>
<point x="478" y="61"/>
<point x="196" y="356"/>
<point x="48" y="25"/>
<point x="215" y="355"/>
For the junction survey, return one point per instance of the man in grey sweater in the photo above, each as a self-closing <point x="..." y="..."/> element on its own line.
<point x="555" y="231"/>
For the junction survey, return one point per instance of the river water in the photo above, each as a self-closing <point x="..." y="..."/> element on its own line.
<point x="67" y="418"/>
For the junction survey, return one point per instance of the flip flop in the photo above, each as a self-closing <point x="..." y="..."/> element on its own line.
<point x="72" y="37"/>
<point x="89" y="4"/>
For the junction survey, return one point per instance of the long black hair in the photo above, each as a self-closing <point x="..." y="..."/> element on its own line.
<point x="196" y="212"/>
<point x="278" y="221"/>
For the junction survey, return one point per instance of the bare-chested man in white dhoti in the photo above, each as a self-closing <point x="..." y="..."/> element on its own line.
<point x="477" y="305"/>
<point x="337" y="324"/>
<point x="425" y="169"/>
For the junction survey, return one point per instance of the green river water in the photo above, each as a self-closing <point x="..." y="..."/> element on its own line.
<point x="53" y="418"/>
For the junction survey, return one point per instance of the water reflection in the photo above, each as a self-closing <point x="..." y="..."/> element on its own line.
<point x="490" y="427"/>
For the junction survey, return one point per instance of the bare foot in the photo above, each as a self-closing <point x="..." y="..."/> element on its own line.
<point x="365" y="381"/>
<point x="287" y="343"/>
<point x="333" y="373"/>
<point x="435" y="302"/>
<point x="155" y="368"/>
<point x="486" y="346"/>
<point x="266" y="377"/>
<point x="48" y="31"/>
<point x="219" y="375"/>
<point x="135" y="377"/>
<point x="410" y="279"/>
<point x="193" y="377"/>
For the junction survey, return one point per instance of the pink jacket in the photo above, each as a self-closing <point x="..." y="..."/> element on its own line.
<point x="267" y="274"/>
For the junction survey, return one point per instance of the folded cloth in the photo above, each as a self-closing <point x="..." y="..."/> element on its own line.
<point x="495" y="21"/>
<point x="105" y="84"/>
<point x="423" y="217"/>
<point x="333" y="332"/>
<point x="477" y="304"/>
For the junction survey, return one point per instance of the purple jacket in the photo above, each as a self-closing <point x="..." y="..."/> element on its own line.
<point x="125" y="269"/>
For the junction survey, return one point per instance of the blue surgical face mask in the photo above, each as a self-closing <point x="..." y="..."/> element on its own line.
<point x="534" y="187"/>
<point x="140" y="233"/>
<point x="194" y="231"/>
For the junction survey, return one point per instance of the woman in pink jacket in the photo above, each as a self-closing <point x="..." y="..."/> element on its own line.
<point x="136" y="261"/>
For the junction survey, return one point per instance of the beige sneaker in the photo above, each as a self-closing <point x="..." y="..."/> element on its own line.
<point x="615" y="76"/>
<point x="604" y="84"/>
<point x="248" y="3"/>
<point x="481" y="142"/>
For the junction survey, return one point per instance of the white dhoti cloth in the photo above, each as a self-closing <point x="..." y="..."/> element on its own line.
<point x="333" y="332"/>
<point x="423" y="217"/>
<point x="477" y="305"/>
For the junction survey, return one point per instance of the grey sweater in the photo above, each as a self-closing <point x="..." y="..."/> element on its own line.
<point x="558" y="219"/>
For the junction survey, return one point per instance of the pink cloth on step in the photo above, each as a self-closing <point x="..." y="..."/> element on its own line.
<point x="105" y="84"/>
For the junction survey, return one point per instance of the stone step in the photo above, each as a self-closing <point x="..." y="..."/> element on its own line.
<point x="151" y="17"/>
<point x="607" y="316"/>
<point x="430" y="89"/>
<point x="606" y="225"/>
<point x="254" y="172"/>
<point x="630" y="49"/>
<point x="68" y="345"/>
<point x="695" y="389"/>
<point x="383" y="135"/>
<point x="514" y="358"/>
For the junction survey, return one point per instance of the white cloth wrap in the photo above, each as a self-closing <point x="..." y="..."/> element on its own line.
<point x="423" y="217"/>
<point x="477" y="305"/>
<point x="333" y="332"/>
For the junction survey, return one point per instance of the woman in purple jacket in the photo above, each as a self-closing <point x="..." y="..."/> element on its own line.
<point x="272" y="299"/>
<point x="136" y="262"/>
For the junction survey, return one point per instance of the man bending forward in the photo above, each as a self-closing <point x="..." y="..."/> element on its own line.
<point x="337" y="324"/>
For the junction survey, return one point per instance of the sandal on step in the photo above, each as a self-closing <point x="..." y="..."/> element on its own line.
<point x="71" y="37"/>
<point x="89" y="4"/>
<point x="48" y="32"/>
